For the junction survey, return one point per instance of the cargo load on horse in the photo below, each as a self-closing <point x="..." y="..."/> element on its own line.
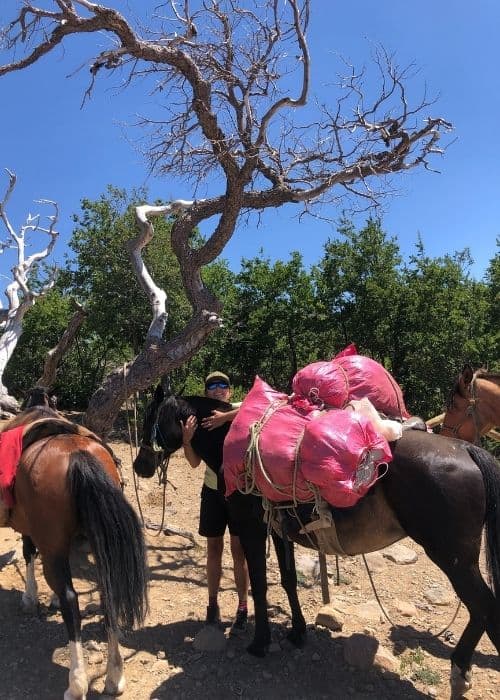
<point x="326" y="440"/>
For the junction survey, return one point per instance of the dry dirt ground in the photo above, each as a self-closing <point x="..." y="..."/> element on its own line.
<point x="162" y="661"/>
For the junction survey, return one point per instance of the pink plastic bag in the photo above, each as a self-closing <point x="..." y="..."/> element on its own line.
<point x="350" y="376"/>
<point x="298" y="445"/>
<point x="277" y="445"/>
<point x="340" y="454"/>
<point x="322" y="382"/>
<point x="369" y="378"/>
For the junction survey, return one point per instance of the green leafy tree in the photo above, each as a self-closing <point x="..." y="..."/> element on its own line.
<point x="492" y="351"/>
<point x="43" y="326"/>
<point x="441" y="324"/>
<point x="271" y="320"/>
<point x="359" y="284"/>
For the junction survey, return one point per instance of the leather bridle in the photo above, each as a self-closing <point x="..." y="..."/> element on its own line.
<point x="469" y="413"/>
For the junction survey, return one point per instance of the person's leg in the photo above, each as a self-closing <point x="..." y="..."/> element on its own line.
<point x="212" y="526"/>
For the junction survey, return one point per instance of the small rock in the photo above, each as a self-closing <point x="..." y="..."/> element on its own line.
<point x="437" y="595"/>
<point x="330" y="617"/>
<point x="369" y="611"/>
<point x="375" y="561"/>
<point x="406" y="609"/>
<point x="360" y="650"/>
<point x="400" y="554"/>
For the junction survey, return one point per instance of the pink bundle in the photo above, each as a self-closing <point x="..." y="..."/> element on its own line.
<point x="350" y="376"/>
<point x="301" y="450"/>
<point x="340" y="454"/>
<point x="278" y="441"/>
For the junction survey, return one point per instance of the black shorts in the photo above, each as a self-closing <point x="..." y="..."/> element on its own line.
<point x="214" y="514"/>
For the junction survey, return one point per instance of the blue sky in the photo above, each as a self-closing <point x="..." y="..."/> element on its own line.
<point x="60" y="151"/>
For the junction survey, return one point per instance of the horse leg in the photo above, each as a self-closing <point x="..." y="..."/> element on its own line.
<point x="58" y="576"/>
<point x="286" y="561"/>
<point x="29" y="601"/>
<point x="484" y="614"/>
<point x="255" y="554"/>
<point x="247" y="514"/>
<point x="115" y="680"/>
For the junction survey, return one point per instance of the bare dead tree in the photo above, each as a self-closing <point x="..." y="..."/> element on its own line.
<point x="234" y="81"/>
<point x="19" y="292"/>
<point x="55" y="354"/>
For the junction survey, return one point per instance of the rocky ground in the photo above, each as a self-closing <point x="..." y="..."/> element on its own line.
<point x="367" y="658"/>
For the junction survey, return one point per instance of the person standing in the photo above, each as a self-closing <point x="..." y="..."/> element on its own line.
<point x="214" y="516"/>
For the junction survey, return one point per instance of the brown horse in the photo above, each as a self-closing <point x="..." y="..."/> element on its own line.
<point x="67" y="483"/>
<point x="440" y="492"/>
<point x="473" y="408"/>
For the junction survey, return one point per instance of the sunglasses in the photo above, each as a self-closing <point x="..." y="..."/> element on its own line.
<point x="217" y="385"/>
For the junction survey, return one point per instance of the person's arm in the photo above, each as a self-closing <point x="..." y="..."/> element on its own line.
<point x="218" y="418"/>
<point x="188" y="430"/>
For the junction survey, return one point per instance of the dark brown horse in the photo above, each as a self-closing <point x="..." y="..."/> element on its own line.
<point x="67" y="483"/>
<point x="438" y="491"/>
<point x="473" y="408"/>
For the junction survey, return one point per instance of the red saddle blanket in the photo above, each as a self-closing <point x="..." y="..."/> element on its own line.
<point x="11" y="447"/>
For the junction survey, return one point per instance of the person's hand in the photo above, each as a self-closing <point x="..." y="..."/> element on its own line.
<point x="215" y="420"/>
<point x="188" y="429"/>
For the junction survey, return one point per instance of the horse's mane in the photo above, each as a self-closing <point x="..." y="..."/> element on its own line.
<point x="450" y="399"/>
<point x="483" y="373"/>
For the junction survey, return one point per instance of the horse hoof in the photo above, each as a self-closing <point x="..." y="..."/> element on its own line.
<point x="29" y="606"/>
<point x="298" y="639"/>
<point x="258" y="650"/>
<point x="112" y="688"/>
<point x="460" y="681"/>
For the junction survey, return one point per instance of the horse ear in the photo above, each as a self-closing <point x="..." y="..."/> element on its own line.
<point x="159" y="394"/>
<point x="166" y="385"/>
<point x="467" y="374"/>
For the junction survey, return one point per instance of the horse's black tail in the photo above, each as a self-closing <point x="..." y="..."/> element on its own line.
<point x="116" y="539"/>
<point x="490" y="469"/>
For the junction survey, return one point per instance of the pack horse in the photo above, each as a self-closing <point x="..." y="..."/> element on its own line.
<point x="439" y="491"/>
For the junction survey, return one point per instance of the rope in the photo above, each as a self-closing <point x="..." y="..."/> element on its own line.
<point x="436" y="635"/>
<point x="162" y="465"/>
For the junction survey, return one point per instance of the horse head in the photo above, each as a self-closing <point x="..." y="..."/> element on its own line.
<point x="161" y="431"/>
<point x="39" y="396"/>
<point x="462" y="418"/>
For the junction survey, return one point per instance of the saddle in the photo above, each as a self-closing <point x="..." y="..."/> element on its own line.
<point x="26" y="435"/>
<point x="47" y="427"/>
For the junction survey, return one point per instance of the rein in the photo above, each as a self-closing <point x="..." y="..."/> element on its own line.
<point x="161" y="465"/>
